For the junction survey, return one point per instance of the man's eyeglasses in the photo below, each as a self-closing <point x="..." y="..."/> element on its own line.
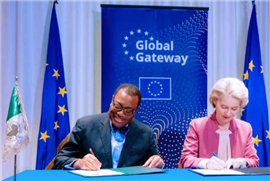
<point x="118" y="107"/>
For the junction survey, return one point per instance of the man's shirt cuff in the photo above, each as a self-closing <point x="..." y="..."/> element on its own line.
<point x="69" y="166"/>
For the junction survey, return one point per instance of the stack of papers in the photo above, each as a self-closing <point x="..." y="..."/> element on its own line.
<point x="217" y="172"/>
<point x="102" y="172"/>
<point x="136" y="170"/>
<point x="241" y="171"/>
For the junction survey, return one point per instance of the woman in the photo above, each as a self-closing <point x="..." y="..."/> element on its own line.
<point x="221" y="141"/>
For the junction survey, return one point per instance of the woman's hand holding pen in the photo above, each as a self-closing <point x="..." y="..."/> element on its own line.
<point x="215" y="163"/>
<point x="88" y="162"/>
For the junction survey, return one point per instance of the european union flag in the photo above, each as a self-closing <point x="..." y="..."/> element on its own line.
<point x="256" y="111"/>
<point x="54" y="123"/>
<point x="155" y="88"/>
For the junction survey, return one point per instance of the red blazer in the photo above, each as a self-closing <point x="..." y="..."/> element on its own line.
<point x="202" y="141"/>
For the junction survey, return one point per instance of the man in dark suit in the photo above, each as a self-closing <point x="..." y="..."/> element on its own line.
<point x="115" y="138"/>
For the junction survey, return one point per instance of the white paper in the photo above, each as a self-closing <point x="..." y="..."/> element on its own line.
<point x="102" y="172"/>
<point x="217" y="172"/>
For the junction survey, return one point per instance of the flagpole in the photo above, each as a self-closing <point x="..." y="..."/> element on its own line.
<point x="15" y="167"/>
<point x="15" y="157"/>
<point x="17" y="122"/>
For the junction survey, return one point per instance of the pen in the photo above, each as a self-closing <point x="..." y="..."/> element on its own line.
<point x="91" y="151"/>
<point x="215" y="155"/>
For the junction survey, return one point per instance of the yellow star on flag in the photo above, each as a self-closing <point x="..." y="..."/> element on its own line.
<point x="44" y="136"/>
<point x="268" y="134"/>
<point x="246" y="75"/>
<point x="256" y="140"/>
<point x="47" y="64"/>
<point x="262" y="69"/>
<point x="62" y="91"/>
<point x="62" y="110"/>
<point x="56" y="74"/>
<point x="250" y="65"/>
<point x="56" y="125"/>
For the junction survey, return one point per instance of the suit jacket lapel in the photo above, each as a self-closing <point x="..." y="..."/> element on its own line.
<point x="127" y="148"/>
<point x="105" y="135"/>
<point x="233" y="138"/>
<point x="213" y="140"/>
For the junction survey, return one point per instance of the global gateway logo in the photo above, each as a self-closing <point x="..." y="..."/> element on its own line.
<point x="163" y="52"/>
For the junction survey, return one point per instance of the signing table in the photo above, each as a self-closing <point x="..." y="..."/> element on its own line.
<point x="170" y="174"/>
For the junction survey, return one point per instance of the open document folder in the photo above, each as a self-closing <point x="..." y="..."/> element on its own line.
<point x="241" y="171"/>
<point x="135" y="170"/>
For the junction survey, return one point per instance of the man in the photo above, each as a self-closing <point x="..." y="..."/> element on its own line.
<point x="114" y="138"/>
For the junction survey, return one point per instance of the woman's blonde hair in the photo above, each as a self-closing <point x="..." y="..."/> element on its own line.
<point x="232" y="87"/>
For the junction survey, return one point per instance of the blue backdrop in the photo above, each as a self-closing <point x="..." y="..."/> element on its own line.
<point x="163" y="51"/>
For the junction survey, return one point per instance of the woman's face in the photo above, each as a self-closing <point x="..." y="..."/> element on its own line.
<point x="226" y="109"/>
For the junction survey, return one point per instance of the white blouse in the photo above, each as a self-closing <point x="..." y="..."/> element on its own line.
<point x="224" y="145"/>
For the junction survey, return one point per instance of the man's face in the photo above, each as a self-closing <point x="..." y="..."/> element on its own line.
<point x="123" y="108"/>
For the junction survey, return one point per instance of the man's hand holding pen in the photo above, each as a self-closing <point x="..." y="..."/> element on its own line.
<point x="88" y="162"/>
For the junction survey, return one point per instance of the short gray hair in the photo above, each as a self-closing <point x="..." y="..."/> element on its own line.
<point x="232" y="87"/>
<point x="131" y="90"/>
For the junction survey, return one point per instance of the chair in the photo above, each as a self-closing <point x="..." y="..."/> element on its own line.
<point x="180" y="165"/>
<point x="59" y="148"/>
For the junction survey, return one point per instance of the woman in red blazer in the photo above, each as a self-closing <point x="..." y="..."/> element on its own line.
<point x="221" y="141"/>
